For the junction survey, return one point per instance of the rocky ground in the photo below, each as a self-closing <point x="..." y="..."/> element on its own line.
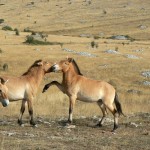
<point x="133" y="134"/>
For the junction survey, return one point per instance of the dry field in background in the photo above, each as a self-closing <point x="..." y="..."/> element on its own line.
<point x="68" y="22"/>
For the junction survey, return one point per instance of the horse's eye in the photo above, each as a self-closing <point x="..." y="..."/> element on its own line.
<point x="0" y="91"/>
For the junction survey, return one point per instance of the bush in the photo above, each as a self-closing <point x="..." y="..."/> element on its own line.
<point x="94" y="44"/>
<point x="96" y="37"/>
<point x="1" y="50"/>
<point x="17" y="31"/>
<point x="7" y="28"/>
<point x="5" y="67"/>
<point x="27" y="30"/>
<point x="31" y="40"/>
<point x="1" y="21"/>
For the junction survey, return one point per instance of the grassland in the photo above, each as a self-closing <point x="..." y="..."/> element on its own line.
<point x="76" y="24"/>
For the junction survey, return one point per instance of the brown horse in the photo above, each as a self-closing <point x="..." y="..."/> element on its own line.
<point x="25" y="87"/>
<point x="3" y="92"/>
<point x="76" y="86"/>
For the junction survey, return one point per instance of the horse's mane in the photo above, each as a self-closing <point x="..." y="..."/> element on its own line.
<point x="76" y="68"/>
<point x="32" y="66"/>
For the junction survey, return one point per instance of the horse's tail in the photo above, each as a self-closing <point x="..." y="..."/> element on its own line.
<point x="118" y="105"/>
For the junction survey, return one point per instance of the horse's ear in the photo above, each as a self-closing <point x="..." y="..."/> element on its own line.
<point x="2" y="81"/>
<point x="40" y="63"/>
<point x="70" y="60"/>
<point x="5" y="81"/>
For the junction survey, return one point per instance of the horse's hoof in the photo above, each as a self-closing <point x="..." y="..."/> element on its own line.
<point x="68" y="124"/>
<point x="32" y="123"/>
<point x="115" y="127"/>
<point x="35" y="126"/>
<point x="114" y="130"/>
<point x="20" y="122"/>
<point x="98" y="125"/>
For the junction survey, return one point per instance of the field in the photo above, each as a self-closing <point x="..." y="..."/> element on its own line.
<point x="77" y="25"/>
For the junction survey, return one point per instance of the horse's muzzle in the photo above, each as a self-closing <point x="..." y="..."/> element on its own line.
<point x="52" y="69"/>
<point x="5" y="102"/>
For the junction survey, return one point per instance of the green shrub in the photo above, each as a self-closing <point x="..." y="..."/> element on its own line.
<point x="17" y="31"/>
<point x="7" y="28"/>
<point x="5" y="67"/>
<point x="30" y="40"/>
<point x="96" y="37"/>
<point x="27" y="30"/>
<point x="94" y="44"/>
<point x="1" y="21"/>
<point x="1" y="50"/>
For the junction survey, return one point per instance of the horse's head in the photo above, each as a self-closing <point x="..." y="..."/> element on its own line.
<point x="45" y="66"/>
<point x="64" y="65"/>
<point x="3" y="93"/>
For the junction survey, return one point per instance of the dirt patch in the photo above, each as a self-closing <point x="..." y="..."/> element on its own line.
<point x="134" y="133"/>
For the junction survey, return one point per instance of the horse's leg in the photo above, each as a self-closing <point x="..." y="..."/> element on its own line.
<point x="116" y="115"/>
<point x="53" y="83"/>
<point x="72" y="100"/>
<point x="30" y="109"/>
<point x="21" y="112"/>
<point x="104" y="111"/>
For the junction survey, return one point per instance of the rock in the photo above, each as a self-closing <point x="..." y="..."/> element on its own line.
<point x="119" y="37"/>
<point x="37" y="49"/>
<point x="146" y="83"/>
<point x="86" y="35"/>
<point x="146" y="74"/>
<point x="110" y="51"/>
<point x="70" y="126"/>
<point x="8" y="133"/>
<point x="132" y="124"/>
<point x="29" y="135"/>
<point x="86" y="54"/>
<point x="109" y="120"/>
<point x="46" y="122"/>
<point x="142" y="27"/>
<point x="68" y="50"/>
<point x="138" y="50"/>
<point x="131" y="56"/>
<point x="80" y="53"/>
<point x="11" y="133"/>
<point x="134" y="91"/>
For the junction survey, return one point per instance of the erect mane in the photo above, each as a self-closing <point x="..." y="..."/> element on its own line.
<point x="32" y="66"/>
<point x="76" y="68"/>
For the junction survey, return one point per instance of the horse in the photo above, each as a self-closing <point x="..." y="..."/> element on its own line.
<point x="4" y="92"/>
<point x="78" y="87"/>
<point x="25" y="87"/>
